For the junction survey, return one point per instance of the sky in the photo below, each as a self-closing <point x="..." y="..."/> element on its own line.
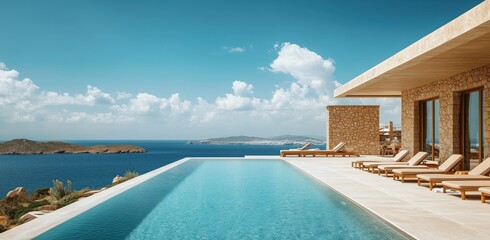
<point x="88" y="69"/>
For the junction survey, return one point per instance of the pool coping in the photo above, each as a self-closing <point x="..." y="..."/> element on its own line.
<point x="50" y="220"/>
<point x="413" y="209"/>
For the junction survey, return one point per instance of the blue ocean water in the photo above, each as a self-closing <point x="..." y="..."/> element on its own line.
<point x="226" y="199"/>
<point x="98" y="170"/>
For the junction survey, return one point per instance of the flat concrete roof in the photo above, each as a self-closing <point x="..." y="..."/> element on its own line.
<point x="460" y="45"/>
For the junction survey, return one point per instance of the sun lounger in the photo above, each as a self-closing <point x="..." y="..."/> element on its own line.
<point x="306" y="146"/>
<point x="485" y="192"/>
<point x="465" y="186"/>
<point x="398" y="158"/>
<point x="445" y="167"/>
<point x="411" y="164"/>
<point x="336" y="151"/>
<point x="415" y="160"/>
<point x="478" y="173"/>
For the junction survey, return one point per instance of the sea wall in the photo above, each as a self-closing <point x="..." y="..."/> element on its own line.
<point x="358" y="126"/>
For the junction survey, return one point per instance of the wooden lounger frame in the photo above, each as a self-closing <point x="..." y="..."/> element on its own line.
<point x="314" y="153"/>
<point x="432" y="182"/>
<point x="484" y="197"/>
<point x="461" y="190"/>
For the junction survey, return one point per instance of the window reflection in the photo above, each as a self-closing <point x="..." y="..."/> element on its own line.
<point x="430" y="128"/>
<point x="472" y="128"/>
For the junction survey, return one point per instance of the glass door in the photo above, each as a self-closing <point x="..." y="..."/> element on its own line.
<point x="472" y="128"/>
<point x="429" y="122"/>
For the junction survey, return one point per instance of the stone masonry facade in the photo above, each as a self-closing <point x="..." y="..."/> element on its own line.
<point x="357" y="126"/>
<point x="449" y="92"/>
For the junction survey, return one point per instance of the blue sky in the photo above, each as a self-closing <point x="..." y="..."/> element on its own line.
<point x="195" y="69"/>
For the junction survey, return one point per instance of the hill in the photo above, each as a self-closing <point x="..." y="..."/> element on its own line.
<point x="278" y="140"/>
<point x="26" y="146"/>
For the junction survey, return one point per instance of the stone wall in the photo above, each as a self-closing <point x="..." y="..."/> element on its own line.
<point x="358" y="126"/>
<point x="449" y="93"/>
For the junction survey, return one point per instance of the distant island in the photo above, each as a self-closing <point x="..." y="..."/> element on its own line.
<point x="250" y="140"/>
<point x="26" y="146"/>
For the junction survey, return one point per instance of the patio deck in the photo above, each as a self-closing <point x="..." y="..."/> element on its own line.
<point x="417" y="211"/>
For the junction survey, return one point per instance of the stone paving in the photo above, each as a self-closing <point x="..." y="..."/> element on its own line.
<point x="419" y="212"/>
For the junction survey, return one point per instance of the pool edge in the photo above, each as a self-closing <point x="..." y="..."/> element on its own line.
<point x="44" y="223"/>
<point x="385" y="221"/>
<point x="48" y="221"/>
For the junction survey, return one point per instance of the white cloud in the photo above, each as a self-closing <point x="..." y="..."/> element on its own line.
<point x="141" y="104"/>
<point x="145" y="104"/>
<point x="96" y="96"/>
<point x="93" y="97"/>
<point x="307" y="67"/>
<point x="234" y="49"/>
<point x="241" y="88"/>
<point x="22" y="101"/>
<point x="123" y="95"/>
<point x="13" y="90"/>
<point x="296" y="106"/>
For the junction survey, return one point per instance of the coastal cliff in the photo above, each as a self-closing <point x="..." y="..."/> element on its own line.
<point x="26" y="146"/>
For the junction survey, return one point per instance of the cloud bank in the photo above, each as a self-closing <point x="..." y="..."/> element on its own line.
<point x="298" y="107"/>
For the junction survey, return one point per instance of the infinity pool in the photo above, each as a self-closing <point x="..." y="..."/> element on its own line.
<point x="226" y="199"/>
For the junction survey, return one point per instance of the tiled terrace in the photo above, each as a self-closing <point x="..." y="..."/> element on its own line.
<point x="415" y="210"/>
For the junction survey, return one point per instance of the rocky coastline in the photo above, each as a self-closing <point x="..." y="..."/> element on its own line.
<point x="19" y="207"/>
<point x="26" y="146"/>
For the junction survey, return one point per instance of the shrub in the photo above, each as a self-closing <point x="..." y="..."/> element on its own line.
<point x="19" y="211"/>
<point x="40" y="193"/>
<point x="58" y="191"/>
<point x="129" y="174"/>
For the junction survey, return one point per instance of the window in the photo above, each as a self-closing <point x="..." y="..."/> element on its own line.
<point x="429" y="130"/>
<point x="472" y="128"/>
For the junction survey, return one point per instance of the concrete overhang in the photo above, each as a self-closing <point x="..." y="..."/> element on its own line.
<point x="461" y="45"/>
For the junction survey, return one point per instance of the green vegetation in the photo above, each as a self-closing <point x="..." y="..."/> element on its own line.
<point x="62" y="196"/>
<point x="58" y="191"/>
<point x="59" y="195"/>
<point x="129" y="174"/>
<point x="21" y="210"/>
<point x="40" y="193"/>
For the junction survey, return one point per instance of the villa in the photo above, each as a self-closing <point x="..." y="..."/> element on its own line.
<point x="443" y="81"/>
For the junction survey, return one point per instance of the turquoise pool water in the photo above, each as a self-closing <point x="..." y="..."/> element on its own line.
<point x="226" y="199"/>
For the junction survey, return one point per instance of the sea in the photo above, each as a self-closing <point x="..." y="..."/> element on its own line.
<point x="97" y="170"/>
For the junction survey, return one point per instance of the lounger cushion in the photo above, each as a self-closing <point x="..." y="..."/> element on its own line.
<point x="482" y="169"/>
<point x="413" y="171"/>
<point x="466" y="185"/>
<point x="485" y="190"/>
<point x="338" y="147"/>
<point x="376" y="164"/>
<point x="371" y="161"/>
<point x="391" y="167"/>
<point x="417" y="159"/>
<point x="400" y="156"/>
<point x="304" y="147"/>
<point x="451" y="162"/>
<point x="448" y="177"/>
